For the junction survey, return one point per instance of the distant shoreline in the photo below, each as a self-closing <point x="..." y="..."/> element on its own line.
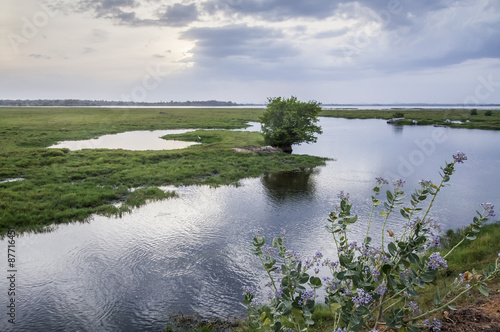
<point x="217" y="103"/>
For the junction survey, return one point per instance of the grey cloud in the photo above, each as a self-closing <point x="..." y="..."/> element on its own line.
<point x="123" y="12"/>
<point x="179" y="15"/>
<point x="239" y="40"/>
<point x="105" y="5"/>
<point x="391" y="13"/>
<point x="240" y="51"/>
<point x="274" y="9"/>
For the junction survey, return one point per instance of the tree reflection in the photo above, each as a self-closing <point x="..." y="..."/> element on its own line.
<point x="397" y="129"/>
<point x="283" y="186"/>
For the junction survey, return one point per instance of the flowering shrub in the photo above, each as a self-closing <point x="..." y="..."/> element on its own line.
<point x="368" y="285"/>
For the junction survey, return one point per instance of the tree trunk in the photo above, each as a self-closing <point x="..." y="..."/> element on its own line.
<point x="286" y="148"/>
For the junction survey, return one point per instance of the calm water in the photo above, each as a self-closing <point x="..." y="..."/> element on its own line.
<point x="191" y="254"/>
<point x="139" y="140"/>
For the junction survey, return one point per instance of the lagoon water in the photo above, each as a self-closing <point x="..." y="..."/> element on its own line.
<point x="191" y="254"/>
<point x="139" y="140"/>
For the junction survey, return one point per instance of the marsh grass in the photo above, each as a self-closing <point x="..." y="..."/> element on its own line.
<point x="427" y="117"/>
<point x="61" y="186"/>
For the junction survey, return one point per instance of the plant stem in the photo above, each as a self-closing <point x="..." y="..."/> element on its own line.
<point x="369" y="221"/>
<point x="268" y="273"/>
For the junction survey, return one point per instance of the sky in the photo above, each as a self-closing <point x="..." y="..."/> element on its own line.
<point x="246" y="51"/>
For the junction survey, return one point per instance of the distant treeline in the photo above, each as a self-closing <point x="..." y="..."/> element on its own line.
<point x="77" y="102"/>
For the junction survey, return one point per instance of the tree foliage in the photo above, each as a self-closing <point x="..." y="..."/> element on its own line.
<point x="289" y="121"/>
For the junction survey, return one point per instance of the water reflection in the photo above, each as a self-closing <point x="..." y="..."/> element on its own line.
<point x="289" y="186"/>
<point x="397" y="129"/>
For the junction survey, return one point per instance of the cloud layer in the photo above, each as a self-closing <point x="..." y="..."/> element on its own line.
<point x="246" y="50"/>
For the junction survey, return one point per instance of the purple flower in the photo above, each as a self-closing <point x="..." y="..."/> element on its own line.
<point x="433" y="242"/>
<point x="459" y="157"/>
<point x="399" y="183"/>
<point x="269" y="252"/>
<point x="330" y="264"/>
<point x="414" y="307"/>
<point x="375" y="275"/>
<point x="254" y="303"/>
<point x="424" y="183"/>
<point x="381" y="289"/>
<point x="434" y="325"/>
<point x="249" y="289"/>
<point x="436" y="261"/>
<point x="343" y="196"/>
<point x="361" y="298"/>
<point x="381" y="181"/>
<point x="306" y="295"/>
<point x="488" y="208"/>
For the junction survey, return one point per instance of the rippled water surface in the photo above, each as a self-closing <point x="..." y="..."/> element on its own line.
<point x="191" y="254"/>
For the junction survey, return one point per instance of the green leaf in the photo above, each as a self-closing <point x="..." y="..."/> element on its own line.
<point x="413" y="328"/>
<point x="437" y="297"/>
<point x="334" y="307"/>
<point x="390" y="197"/>
<point x="383" y="213"/>
<point x="386" y="268"/>
<point x="392" y="248"/>
<point x="315" y="282"/>
<point x="309" y="321"/>
<point x="483" y="290"/>
<point x="269" y="265"/>
<point x="414" y="258"/>
<point x="304" y="278"/>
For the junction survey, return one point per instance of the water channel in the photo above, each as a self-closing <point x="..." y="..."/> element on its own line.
<point x="191" y="254"/>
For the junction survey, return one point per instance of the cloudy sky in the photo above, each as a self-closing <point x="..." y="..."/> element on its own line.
<point x="367" y="51"/>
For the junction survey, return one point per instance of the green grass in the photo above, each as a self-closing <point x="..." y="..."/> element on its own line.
<point x="469" y="256"/>
<point x="426" y="117"/>
<point x="62" y="186"/>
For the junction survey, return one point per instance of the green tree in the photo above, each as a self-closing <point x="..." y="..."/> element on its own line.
<point x="289" y="121"/>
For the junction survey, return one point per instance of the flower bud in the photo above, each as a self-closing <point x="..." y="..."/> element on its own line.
<point x="391" y="233"/>
<point x="479" y="277"/>
<point x="468" y="276"/>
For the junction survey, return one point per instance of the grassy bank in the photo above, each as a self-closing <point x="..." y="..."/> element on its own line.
<point x="427" y="117"/>
<point x="61" y="186"/>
